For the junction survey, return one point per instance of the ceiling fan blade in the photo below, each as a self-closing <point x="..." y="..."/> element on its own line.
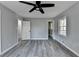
<point x="41" y="10"/>
<point x="27" y="3"/>
<point x="32" y="9"/>
<point x="47" y="5"/>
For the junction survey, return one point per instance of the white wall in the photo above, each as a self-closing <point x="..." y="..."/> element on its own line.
<point x="0" y="31"/>
<point x="9" y="28"/>
<point x="72" y="38"/>
<point x="39" y="29"/>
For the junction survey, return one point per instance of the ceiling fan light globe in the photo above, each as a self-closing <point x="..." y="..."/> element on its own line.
<point x="37" y="9"/>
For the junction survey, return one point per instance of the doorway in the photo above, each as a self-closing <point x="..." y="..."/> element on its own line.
<point x="19" y="30"/>
<point x="50" y="28"/>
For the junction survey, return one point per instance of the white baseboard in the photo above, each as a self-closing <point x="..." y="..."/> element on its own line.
<point x="68" y="48"/>
<point x="39" y="38"/>
<point x="8" y="49"/>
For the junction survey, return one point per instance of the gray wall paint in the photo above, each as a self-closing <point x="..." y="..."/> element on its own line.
<point x="39" y="28"/>
<point x="72" y="38"/>
<point x="9" y="28"/>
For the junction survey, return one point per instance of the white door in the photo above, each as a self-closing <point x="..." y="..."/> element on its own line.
<point x="26" y="30"/>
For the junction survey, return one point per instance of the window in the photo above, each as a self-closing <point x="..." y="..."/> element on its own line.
<point x="62" y="26"/>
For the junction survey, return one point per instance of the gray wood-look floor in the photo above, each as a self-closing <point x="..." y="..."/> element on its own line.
<point x="39" y="48"/>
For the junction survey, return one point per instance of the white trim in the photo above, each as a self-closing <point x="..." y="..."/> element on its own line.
<point x="39" y="38"/>
<point x="8" y="49"/>
<point x="26" y="39"/>
<point x="68" y="47"/>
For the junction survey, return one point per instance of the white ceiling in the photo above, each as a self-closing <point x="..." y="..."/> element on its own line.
<point x="23" y="9"/>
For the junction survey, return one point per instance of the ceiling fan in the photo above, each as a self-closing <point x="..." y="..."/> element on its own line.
<point x="38" y="6"/>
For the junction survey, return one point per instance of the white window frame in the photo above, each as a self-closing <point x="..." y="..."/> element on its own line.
<point x="62" y="30"/>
